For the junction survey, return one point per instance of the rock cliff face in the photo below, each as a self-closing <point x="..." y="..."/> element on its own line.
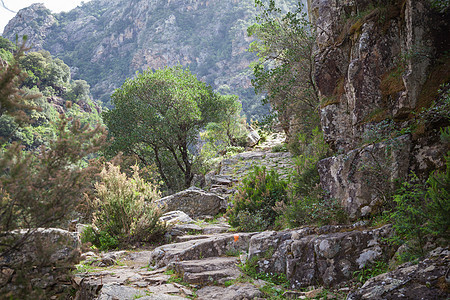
<point x="378" y="64"/>
<point x="106" y="41"/>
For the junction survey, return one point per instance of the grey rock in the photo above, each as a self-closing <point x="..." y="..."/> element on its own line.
<point x="193" y="202"/>
<point x="176" y="217"/>
<point x="252" y="138"/>
<point x="363" y="177"/>
<point x="214" y="246"/>
<point x="308" y="257"/>
<point x="421" y="281"/>
<point x="207" y="271"/>
<point x="234" y="292"/>
<point x="116" y="291"/>
<point x="52" y="252"/>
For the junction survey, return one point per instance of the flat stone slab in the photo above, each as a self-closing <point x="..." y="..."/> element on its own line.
<point x="238" y="291"/>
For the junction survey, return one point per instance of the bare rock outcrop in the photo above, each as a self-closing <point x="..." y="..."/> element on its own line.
<point x="327" y="256"/>
<point x="425" y="280"/>
<point x="363" y="179"/>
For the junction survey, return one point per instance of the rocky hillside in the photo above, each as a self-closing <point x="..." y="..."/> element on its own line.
<point x="107" y="41"/>
<point x="379" y="67"/>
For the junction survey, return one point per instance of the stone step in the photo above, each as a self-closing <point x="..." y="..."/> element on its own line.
<point x="239" y="291"/>
<point x="207" y="271"/>
<point x="215" y="246"/>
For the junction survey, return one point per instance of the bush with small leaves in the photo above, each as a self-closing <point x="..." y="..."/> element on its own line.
<point x="123" y="210"/>
<point x="422" y="211"/>
<point x="256" y="198"/>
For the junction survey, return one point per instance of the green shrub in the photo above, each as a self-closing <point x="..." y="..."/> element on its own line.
<point x="256" y="198"/>
<point x="422" y="210"/>
<point x="279" y="148"/>
<point x="123" y="212"/>
<point x="307" y="202"/>
<point x="312" y="210"/>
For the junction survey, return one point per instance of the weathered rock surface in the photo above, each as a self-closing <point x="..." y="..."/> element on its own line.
<point x="47" y="257"/>
<point x="425" y="280"/>
<point x="207" y="271"/>
<point x="194" y="202"/>
<point x="252" y="138"/>
<point x="237" y="291"/>
<point x="176" y="217"/>
<point x="372" y="78"/>
<point x="363" y="179"/>
<point x="357" y="54"/>
<point x="308" y="257"/>
<point x="213" y="246"/>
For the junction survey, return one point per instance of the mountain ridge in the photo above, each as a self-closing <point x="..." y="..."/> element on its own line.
<point x="106" y="42"/>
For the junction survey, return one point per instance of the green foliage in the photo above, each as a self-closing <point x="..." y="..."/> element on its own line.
<point x="307" y="203"/>
<point x="44" y="71"/>
<point x="279" y="148"/>
<point x="14" y="100"/>
<point x="255" y="199"/>
<point x="284" y="71"/>
<point x="123" y="213"/>
<point x="100" y="239"/>
<point x="440" y="5"/>
<point x="310" y="210"/>
<point x="41" y="188"/>
<point x="371" y="270"/>
<point x="230" y="130"/>
<point x="228" y="135"/>
<point x="7" y="45"/>
<point x="250" y="268"/>
<point x="158" y="116"/>
<point x="422" y="210"/>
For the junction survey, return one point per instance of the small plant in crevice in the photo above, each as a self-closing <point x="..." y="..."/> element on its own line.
<point x="250" y="268"/>
<point x="371" y="270"/>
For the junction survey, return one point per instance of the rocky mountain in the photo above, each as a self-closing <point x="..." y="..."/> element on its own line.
<point x="107" y="41"/>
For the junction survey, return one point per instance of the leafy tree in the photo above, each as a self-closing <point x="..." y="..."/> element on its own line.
<point x="7" y="45"/>
<point x="79" y="90"/>
<point x="230" y="129"/>
<point x="44" y="71"/>
<point x="40" y="188"/>
<point x="14" y="100"/>
<point x="158" y="115"/>
<point x="284" y="71"/>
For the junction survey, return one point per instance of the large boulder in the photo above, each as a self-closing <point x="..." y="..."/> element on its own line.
<point x="194" y="202"/>
<point x="42" y="263"/>
<point x="252" y="138"/>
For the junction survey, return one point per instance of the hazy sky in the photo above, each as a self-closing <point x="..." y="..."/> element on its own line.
<point x="16" y="5"/>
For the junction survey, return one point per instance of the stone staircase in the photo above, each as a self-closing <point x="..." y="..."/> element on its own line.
<point x="231" y="171"/>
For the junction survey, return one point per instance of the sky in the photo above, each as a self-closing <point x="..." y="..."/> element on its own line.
<point x="15" y="5"/>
